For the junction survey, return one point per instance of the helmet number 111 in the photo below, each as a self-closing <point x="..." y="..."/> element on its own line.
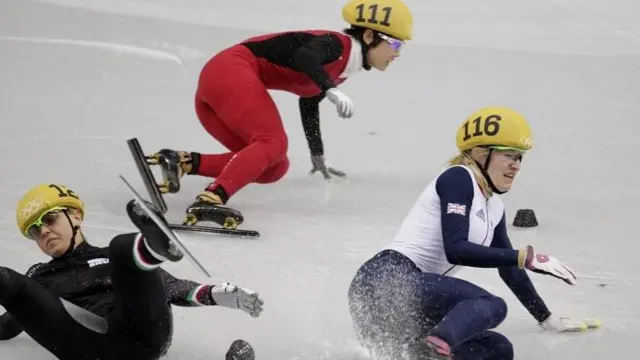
<point x="373" y="16"/>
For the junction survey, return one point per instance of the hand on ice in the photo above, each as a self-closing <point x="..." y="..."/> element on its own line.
<point x="561" y="324"/>
<point x="320" y="163"/>
<point x="548" y="265"/>
<point x="343" y="104"/>
<point x="235" y="297"/>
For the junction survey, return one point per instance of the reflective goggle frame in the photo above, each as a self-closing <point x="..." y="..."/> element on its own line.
<point x="394" y="43"/>
<point x="514" y="154"/>
<point x="48" y="218"/>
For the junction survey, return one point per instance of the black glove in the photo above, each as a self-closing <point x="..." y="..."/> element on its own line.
<point x="319" y="163"/>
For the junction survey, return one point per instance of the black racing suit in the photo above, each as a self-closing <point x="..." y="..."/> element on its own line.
<point x="105" y="281"/>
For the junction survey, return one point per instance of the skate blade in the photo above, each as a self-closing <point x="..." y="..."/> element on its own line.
<point x="145" y="173"/>
<point x="170" y="234"/>
<point x="215" y="230"/>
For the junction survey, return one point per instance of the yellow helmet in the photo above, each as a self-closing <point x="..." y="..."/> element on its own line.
<point x="495" y="126"/>
<point x="43" y="198"/>
<point x="391" y="17"/>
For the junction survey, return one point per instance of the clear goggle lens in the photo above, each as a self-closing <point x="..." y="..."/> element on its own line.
<point x="48" y="218"/>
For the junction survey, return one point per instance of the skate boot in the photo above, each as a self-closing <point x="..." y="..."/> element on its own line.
<point x="431" y="348"/>
<point x="155" y="238"/>
<point x="174" y="165"/>
<point x="209" y="206"/>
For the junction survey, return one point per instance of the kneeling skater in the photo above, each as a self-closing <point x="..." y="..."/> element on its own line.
<point x="405" y="302"/>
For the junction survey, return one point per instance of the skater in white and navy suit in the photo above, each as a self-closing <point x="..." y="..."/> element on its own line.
<point x="405" y="302"/>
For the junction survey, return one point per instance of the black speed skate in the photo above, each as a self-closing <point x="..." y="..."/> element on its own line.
<point x="174" y="165"/>
<point x="203" y="210"/>
<point x="155" y="238"/>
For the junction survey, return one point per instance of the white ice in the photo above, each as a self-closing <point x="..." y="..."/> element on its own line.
<point x="78" y="78"/>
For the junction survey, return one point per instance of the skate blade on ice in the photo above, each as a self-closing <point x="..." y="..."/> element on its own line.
<point x="172" y="235"/>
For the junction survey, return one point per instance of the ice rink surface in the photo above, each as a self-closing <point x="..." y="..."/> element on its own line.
<point x="78" y="78"/>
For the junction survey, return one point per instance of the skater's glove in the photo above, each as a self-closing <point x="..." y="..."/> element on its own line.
<point x="561" y="324"/>
<point x="319" y="163"/>
<point x="547" y="265"/>
<point x="235" y="297"/>
<point x="343" y="104"/>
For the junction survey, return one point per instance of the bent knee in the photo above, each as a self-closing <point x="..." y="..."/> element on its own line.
<point x="274" y="173"/>
<point x="275" y="147"/>
<point x="499" y="309"/>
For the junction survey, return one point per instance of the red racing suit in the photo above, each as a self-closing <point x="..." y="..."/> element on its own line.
<point x="234" y="106"/>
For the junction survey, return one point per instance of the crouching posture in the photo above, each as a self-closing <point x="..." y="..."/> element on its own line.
<point x="100" y="303"/>
<point x="405" y="302"/>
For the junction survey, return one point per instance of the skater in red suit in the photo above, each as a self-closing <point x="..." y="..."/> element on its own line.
<point x="233" y="104"/>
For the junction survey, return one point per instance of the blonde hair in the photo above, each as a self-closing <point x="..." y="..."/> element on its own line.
<point x="467" y="158"/>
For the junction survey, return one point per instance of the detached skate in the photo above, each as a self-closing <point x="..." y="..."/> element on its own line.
<point x="174" y="165"/>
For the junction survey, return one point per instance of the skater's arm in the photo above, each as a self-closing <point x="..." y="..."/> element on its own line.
<point x="311" y="57"/>
<point x="182" y="292"/>
<point x="517" y="279"/>
<point x="9" y="327"/>
<point x="455" y="189"/>
<point x="310" y="114"/>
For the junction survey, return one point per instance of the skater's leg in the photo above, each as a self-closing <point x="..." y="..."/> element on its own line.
<point x="215" y="126"/>
<point x="141" y="316"/>
<point x="141" y="319"/>
<point x="393" y="302"/>
<point x="238" y="97"/>
<point x="386" y="313"/>
<point x="464" y="310"/>
<point x="211" y="165"/>
<point x="273" y="173"/>
<point x="261" y="126"/>
<point x="43" y="317"/>
<point x="489" y="345"/>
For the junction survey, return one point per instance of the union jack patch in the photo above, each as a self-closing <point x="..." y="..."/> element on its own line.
<point x="453" y="208"/>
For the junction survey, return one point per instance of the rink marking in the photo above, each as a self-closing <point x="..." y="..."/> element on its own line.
<point x="114" y="47"/>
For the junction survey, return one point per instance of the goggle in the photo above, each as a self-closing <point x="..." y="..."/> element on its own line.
<point x="48" y="218"/>
<point x="514" y="154"/>
<point x="394" y="44"/>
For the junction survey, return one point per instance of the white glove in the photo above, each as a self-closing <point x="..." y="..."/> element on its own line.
<point x="235" y="297"/>
<point x="548" y="265"/>
<point x="343" y="104"/>
<point x="561" y="324"/>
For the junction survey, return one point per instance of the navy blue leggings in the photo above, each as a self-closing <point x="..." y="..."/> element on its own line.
<point x="393" y="303"/>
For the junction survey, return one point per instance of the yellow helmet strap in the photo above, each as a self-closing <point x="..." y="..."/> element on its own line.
<point x="74" y="232"/>
<point x="484" y="167"/>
